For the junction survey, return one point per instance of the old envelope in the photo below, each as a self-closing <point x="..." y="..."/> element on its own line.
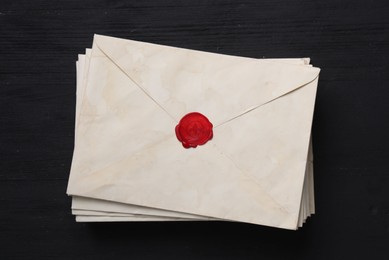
<point x="251" y="171"/>
<point x="88" y="209"/>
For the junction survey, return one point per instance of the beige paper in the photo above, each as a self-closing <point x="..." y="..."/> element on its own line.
<point x="102" y="207"/>
<point x="261" y="175"/>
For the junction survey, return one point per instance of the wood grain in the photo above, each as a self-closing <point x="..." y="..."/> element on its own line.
<point x="349" y="40"/>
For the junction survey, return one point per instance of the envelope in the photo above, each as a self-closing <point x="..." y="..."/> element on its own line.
<point x="87" y="209"/>
<point x="254" y="168"/>
<point x="94" y="210"/>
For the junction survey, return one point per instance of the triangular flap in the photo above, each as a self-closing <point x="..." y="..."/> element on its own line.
<point x="219" y="86"/>
<point x="271" y="145"/>
<point x="115" y="119"/>
<point x="194" y="181"/>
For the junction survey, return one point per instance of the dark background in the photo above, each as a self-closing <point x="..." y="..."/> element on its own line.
<point x="348" y="40"/>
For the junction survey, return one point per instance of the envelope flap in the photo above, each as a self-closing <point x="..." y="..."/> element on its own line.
<point x="220" y="86"/>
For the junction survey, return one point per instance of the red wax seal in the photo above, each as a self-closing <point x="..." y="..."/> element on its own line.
<point x="194" y="129"/>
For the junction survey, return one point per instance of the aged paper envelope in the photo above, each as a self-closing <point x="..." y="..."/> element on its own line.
<point x="88" y="208"/>
<point x="261" y="166"/>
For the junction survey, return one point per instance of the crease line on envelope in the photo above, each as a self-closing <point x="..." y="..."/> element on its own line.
<point x="260" y="105"/>
<point x="127" y="156"/>
<point x="140" y="87"/>
<point x="254" y="180"/>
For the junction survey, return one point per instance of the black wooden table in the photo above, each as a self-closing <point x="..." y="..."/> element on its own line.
<point x="349" y="40"/>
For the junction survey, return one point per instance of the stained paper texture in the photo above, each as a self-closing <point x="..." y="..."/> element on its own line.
<point x="128" y="164"/>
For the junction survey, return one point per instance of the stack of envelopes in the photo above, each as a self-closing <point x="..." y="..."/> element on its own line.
<point x="128" y="164"/>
